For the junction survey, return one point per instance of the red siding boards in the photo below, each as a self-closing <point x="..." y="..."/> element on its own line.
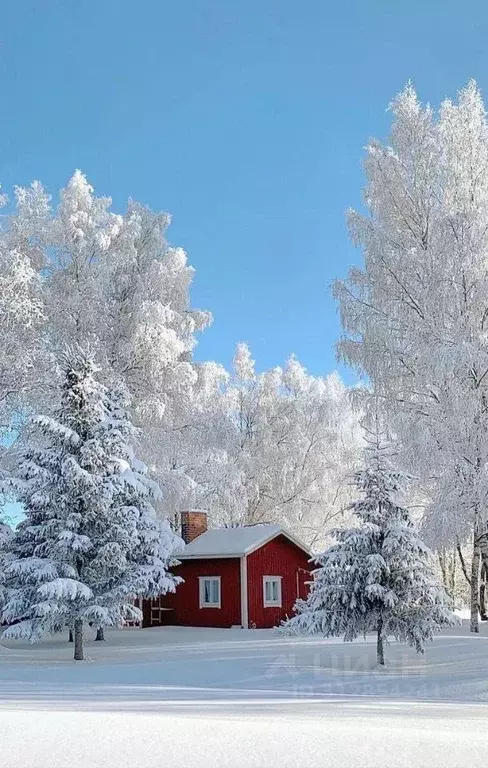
<point x="279" y="557"/>
<point x="183" y="608"/>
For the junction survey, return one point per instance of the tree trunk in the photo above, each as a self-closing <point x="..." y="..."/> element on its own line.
<point x="79" y="656"/>
<point x="100" y="634"/>
<point x="447" y="562"/>
<point x="380" y="655"/>
<point x="70" y="638"/>
<point x="483" y="615"/>
<point x="483" y="584"/>
<point x="483" y="544"/>
<point x="452" y="573"/>
<point x="442" y="563"/>
<point x="463" y="562"/>
<point x="475" y="582"/>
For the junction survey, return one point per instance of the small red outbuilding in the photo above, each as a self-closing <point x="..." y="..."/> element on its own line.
<point x="249" y="576"/>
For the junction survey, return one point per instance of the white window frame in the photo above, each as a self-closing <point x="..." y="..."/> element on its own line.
<point x="272" y="603"/>
<point x="201" y="591"/>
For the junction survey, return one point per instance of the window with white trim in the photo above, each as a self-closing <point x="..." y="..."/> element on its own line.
<point x="209" y="587"/>
<point x="272" y="591"/>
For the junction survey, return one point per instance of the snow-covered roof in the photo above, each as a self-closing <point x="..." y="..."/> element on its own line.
<point x="234" y="542"/>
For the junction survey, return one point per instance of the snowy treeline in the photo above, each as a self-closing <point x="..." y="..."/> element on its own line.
<point x="415" y="317"/>
<point x="271" y="447"/>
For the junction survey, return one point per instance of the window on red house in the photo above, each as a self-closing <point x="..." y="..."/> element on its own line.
<point x="272" y="591"/>
<point x="209" y="587"/>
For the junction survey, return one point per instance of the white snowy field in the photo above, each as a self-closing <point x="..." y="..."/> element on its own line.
<point x="231" y="698"/>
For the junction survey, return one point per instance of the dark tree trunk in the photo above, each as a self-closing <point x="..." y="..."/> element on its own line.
<point x="475" y="589"/>
<point x="452" y="573"/>
<point x="70" y="638"/>
<point x="79" y="655"/>
<point x="100" y="634"/>
<point x="380" y="653"/>
<point x="483" y="615"/>
<point x="442" y="563"/>
<point x="463" y="562"/>
<point x="484" y="578"/>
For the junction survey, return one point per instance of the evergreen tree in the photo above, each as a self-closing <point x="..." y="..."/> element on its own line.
<point x="83" y="553"/>
<point x="378" y="576"/>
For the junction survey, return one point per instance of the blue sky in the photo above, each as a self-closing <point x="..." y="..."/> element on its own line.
<point x="245" y="120"/>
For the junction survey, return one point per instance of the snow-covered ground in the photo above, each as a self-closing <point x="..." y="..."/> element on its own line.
<point x="188" y="697"/>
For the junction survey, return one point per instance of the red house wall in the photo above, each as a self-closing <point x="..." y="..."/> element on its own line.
<point x="185" y="603"/>
<point x="280" y="557"/>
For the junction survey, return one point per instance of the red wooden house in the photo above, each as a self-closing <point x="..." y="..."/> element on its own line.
<point x="249" y="577"/>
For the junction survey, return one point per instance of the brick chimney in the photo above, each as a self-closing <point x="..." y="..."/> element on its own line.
<point x="193" y="523"/>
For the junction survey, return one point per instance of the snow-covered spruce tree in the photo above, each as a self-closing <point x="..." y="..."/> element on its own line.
<point x="80" y="555"/>
<point x="378" y="576"/>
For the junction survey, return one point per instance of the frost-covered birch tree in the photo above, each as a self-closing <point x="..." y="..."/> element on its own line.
<point x="152" y="336"/>
<point x="379" y="576"/>
<point x="21" y="306"/>
<point x="91" y="541"/>
<point x="415" y="316"/>
<point x="115" y="284"/>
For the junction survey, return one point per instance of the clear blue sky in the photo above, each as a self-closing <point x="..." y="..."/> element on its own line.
<point x="245" y="120"/>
